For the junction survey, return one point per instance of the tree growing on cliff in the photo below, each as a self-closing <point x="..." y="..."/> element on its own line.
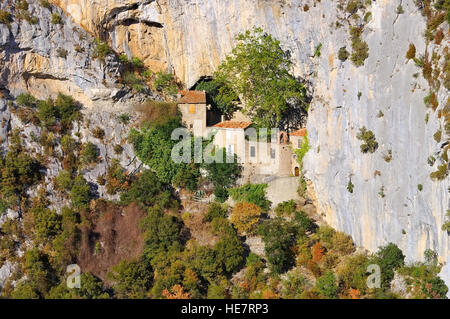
<point x="257" y="70"/>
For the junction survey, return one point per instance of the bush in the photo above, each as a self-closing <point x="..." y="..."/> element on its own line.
<point x="56" y="18"/>
<point x="221" y="194"/>
<point x="148" y="190"/>
<point x="219" y="96"/>
<point x="326" y="285"/>
<point x="64" y="181"/>
<point x="80" y="193"/>
<point x="131" y="79"/>
<point x="441" y="173"/>
<point x="91" y="288"/>
<point x="89" y="153"/>
<point x="137" y="63"/>
<point x="18" y="171"/>
<point x="162" y="232"/>
<point x="116" y="178"/>
<point x="123" y="58"/>
<point x="45" y="4"/>
<point x="431" y="100"/>
<point x="124" y="118"/>
<point x="25" y="99"/>
<point x="353" y="6"/>
<point x="5" y="17"/>
<point x="64" y="109"/>
<point x="360" y="48"/>
<point x="370" y="144"/>
<point x="435" y="288"/>
<point x="225" y="174"/>
<point x="389" y="258"/>
<point x="131" y="279"/>
<point x="343" y="54"/>
<point x="118" y="149"/>
<point x="22" y="5"/>
<point x="251" y="193"/>
<point x="166" y="83"/>
<point x="229" y="253"/>
<point x="68" y="144"/>
<point x="215" y="210"/>
<point x="46" y="224"/>
<point x="101" y="50"/>
<point x="411" y="53"/>
<point x="286" y="208"/>
<point x="98" y="132"/>
<point x="62" y="53"/>
<point x="343" y="243"/>
<point x="245" y="217"/>
<point x="350" y="186"/>
<point x="279" y="237"/>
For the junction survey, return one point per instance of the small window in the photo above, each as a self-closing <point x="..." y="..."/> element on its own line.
<point x="272" y="153"/>
<point x="252" y="151"/>
<point x="191" y="126"/>
<point x="192" y="108"/>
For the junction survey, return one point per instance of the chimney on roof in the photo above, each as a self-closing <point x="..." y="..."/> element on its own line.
<point x="222" y="118"/>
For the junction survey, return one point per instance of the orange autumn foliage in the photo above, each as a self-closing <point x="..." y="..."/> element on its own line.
<point x="354" y="293"/>
<point x="317" y="252"/>
<point x="269" y="294"/>
<point x="177" y="292"/>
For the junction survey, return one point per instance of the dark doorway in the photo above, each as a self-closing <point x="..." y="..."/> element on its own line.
<point x="297" y="171"/>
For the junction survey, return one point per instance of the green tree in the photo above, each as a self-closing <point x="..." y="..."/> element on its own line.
<point x="40" y="275"/>
<point x="148" y="190"/>
<point x="326" y="285"/>
<point x="91" y="288"/>
<point x="258" y="71"/>
<point x="389" y="258"/>
<point x="64" y="181"/>
<point x="230" y="253"/>
<point x="220" y="96"/>
<point x="162" y="232"/>
<point x="89" y="153"/>
<point x="215" y="210"/>
<point x="132" y="279"/>
<point x="47" y="223"/>
<point x="80" y="193"/>
<point x="153" y="145"/>
<point x="279" y="236"/>
<point x="18" y="171"/>
<point x="225" y="174"/>
<point x="66" y="243"/>
<point x="25" y="99"/>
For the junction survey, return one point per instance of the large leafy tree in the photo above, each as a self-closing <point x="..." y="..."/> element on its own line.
<point x="258" y="71"/>
<point x="220" y="96"/>
<point x="389" y="258"/>
<point x="279" y="237"/>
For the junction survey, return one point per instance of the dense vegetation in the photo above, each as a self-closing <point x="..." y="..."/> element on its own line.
<point x="169" y="256"/>
<point x="258" y="71"/>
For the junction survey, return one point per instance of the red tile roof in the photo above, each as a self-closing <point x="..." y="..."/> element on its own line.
<point x="300" y="132"/>
<point x="233" y="124"/>
<point x="192" y="97"/>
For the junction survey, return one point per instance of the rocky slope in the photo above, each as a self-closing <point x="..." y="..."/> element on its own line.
<point x="392" y="200"/>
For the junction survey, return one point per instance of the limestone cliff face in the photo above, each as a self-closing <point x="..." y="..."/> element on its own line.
<point x="190" y="37"/>
<point x="46" y="58"/>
